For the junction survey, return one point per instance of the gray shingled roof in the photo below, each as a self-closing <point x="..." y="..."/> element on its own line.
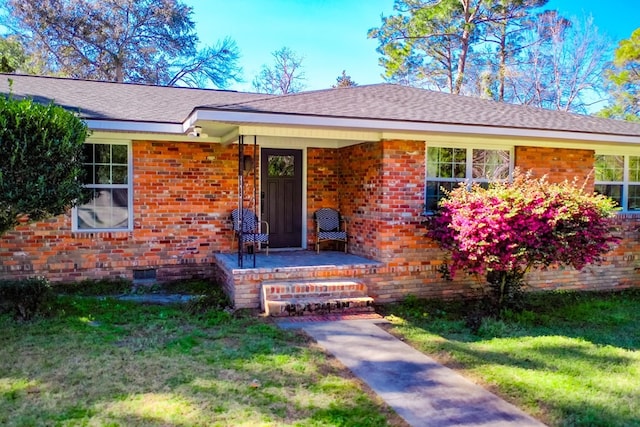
<point x="120" y="101"/>
<point x="402" y="103"/>
<point x="384" y="102"/>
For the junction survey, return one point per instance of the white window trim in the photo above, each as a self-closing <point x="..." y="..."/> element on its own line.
<point x="128" y="186"/>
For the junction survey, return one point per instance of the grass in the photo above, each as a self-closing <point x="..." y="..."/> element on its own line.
<point x="101" y="361"/>
<point x="569" y="359"/>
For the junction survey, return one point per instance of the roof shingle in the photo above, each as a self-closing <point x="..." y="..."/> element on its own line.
<point x="383" y="102"/>
<point x="402" y="103"/>
<point x="120" y="101"/>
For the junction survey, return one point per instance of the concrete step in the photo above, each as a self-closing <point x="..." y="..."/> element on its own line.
<point x="299" y="298"/>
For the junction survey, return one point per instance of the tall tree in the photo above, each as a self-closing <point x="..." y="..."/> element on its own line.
<point x="563" y="66"/>
<point x="284" y="76"/>
<point x="12" y="55"/>
<point x="147" y="41"/>
<point x="504" y="31"/>
<point x="429" y="40"/>
<point x="344" y="80"/>
<point x="498" y="49"/>
<point x="625" y="80"/>
<point x="15" y="58"/>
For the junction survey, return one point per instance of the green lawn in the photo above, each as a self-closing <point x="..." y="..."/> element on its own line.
<point x="103" y="362"/>
<point x="569" y="359"/>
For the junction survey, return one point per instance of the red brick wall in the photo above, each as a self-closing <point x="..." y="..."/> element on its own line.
<point x="389" y="229"/>
<point x="382" y="192"/>
<point x="183" y="195"/>
<point x="402" y="203"/>
<point x="323" y="185"/>
<point x="616" y="272"/>
<point x="184" y="192"/>
<point x="558" y="164"/>
<point x="360" y="195"/>
<point x="619" y="268"/>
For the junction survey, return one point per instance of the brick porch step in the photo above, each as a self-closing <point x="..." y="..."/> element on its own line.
<point x="299" y="298"/>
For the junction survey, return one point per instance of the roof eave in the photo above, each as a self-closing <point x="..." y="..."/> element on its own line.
<point x="279" y="119"/>
<point x="134" y="126"/>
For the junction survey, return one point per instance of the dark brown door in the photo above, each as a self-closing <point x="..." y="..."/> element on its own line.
<point x="281" y="177"/>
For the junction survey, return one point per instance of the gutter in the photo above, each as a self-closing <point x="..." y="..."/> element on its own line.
<point x="241" y="117"/>
<point x="376" y="125"/>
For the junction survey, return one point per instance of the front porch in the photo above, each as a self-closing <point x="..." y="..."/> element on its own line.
<point x="294" y="259"/>
<point x="244" y="285"/>
<point x="378" y="188"/>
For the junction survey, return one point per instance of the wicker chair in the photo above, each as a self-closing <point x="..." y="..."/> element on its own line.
<point x="328" y="227"/>
<point x="252" y="231"/>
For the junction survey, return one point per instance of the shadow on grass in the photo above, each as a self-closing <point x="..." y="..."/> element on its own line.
<point x="576" y="355"/>
<point x="108" y="362"/>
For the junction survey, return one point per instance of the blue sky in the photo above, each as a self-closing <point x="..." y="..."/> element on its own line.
<point x="331" y="35"/>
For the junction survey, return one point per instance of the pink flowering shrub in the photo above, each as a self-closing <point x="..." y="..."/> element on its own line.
<point x="503" y="231"/>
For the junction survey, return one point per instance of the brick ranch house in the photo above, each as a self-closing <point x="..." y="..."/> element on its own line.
<point x="166" y="163"/>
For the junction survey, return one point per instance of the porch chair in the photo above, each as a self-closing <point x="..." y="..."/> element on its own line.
<point x="253" y="232"/>
<point x="328" y="227"/>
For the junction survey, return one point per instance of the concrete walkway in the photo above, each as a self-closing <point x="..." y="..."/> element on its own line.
<point x="419" y="389"/>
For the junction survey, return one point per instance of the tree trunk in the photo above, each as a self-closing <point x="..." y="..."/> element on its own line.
<point x="503" y="61"/>
<point x="462" y="62"/>
<point x="464" y="42"/>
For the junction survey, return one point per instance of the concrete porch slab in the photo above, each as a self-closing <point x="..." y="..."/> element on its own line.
<point x="295" y="259"/>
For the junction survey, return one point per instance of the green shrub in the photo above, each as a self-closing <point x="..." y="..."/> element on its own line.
<point x="213" y="300"/>
<point x="25" y="298"/>
<point x="494" y="328"/>
<point x="506" y="230"/>
<point x="41" y="161"/>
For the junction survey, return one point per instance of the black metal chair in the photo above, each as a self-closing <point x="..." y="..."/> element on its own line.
<point x="328" y="227"/>
<point x="252" y="231"/>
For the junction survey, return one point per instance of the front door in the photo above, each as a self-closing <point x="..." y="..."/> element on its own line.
<point x="281" y="178"/>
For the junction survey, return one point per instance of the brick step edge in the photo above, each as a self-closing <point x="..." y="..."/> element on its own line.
<point x="279" y="290"/>
<point x="310" y="307"/>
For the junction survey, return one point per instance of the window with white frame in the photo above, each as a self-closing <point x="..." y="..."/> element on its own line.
<point x="448" y="166"/>
<point x="108" y="175"/>
<point x="618" y="177"/>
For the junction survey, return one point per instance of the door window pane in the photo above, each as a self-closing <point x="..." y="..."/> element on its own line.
<point x="280" y="166"/>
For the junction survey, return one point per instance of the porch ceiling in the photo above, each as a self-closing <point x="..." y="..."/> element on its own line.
<point x="228" y="133"/>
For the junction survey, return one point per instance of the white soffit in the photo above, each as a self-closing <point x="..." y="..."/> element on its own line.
<point x="335" y="128"/>
<point x="390" y="126"/>
<point x="124" y="126"/>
